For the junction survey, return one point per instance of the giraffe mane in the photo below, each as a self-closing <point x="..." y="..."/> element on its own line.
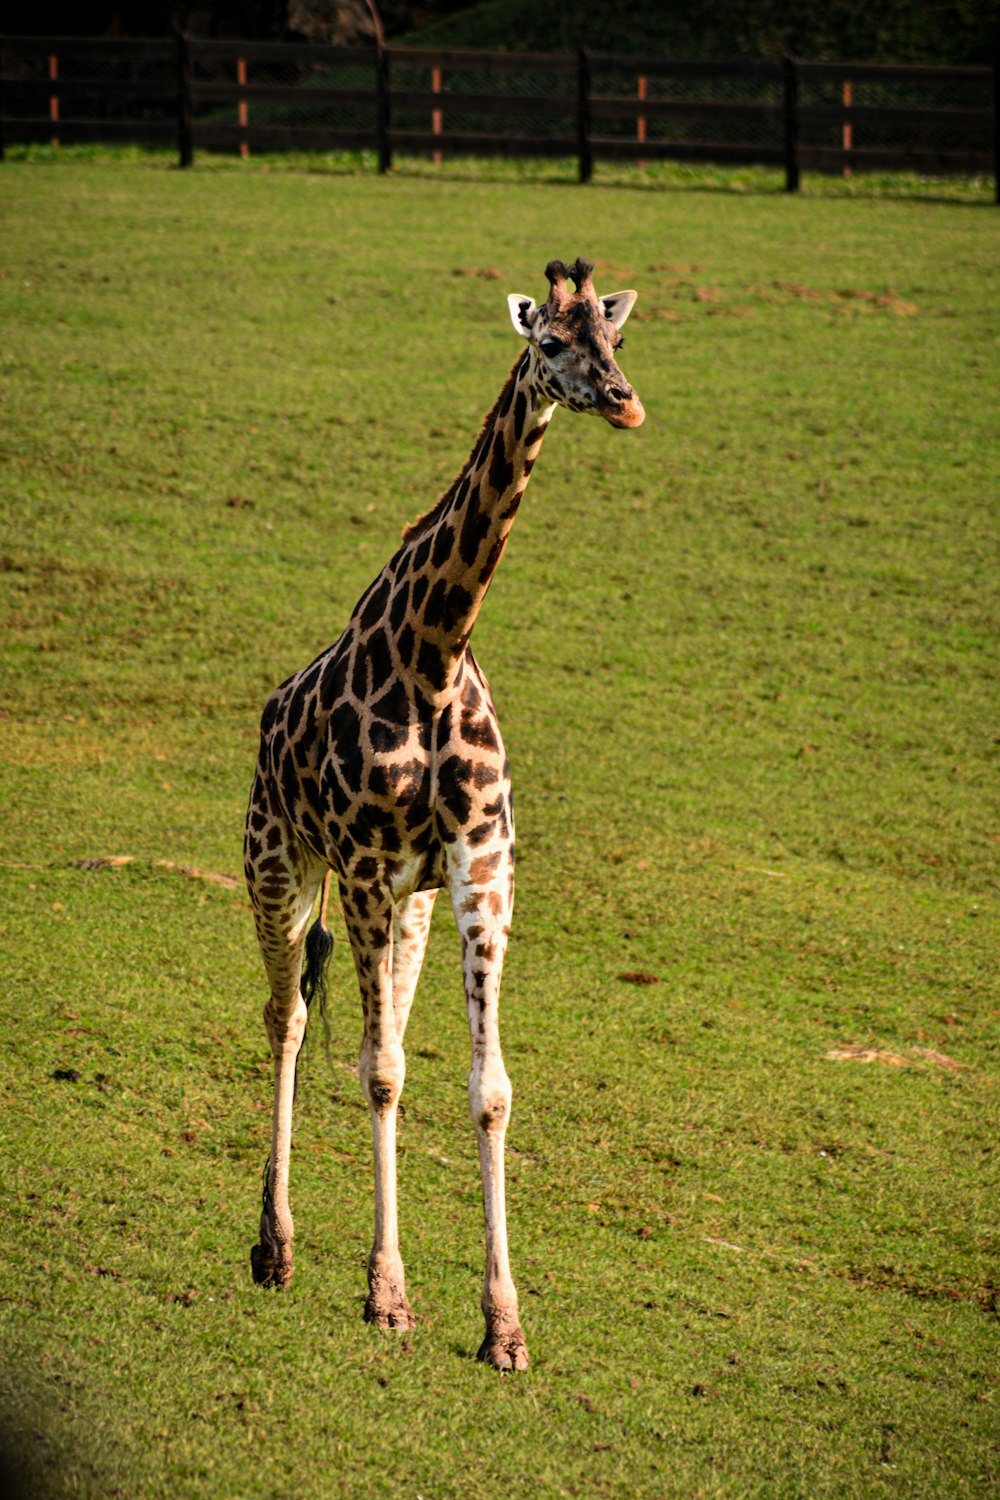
<point x="422" y="524"/>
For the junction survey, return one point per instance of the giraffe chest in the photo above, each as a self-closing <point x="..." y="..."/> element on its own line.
<point x="395" y="776"/>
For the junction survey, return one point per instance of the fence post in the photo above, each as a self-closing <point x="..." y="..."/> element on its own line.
<point x="54" y="94"/>
<point x="791" y="126"/>
<point x="242" y="112"/>
<point x="583" y="148"/>
<point x="437" y="115"/>
<point x="382" y="107"/>
<point x="640" y="124"/>
<point x="185" y="146"/>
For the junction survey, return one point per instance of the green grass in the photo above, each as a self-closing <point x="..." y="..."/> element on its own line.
<point x="654" y="176"/>
<point x="745" y="660"/>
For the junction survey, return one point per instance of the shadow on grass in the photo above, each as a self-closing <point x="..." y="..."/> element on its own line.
<point x="463" y="1352"/>
<point x="675" y="177"/>
<point x="32" y="1456"/>
<point x="678" y="177"/>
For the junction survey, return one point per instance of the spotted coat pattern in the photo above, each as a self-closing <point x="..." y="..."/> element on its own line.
<point x="383" y="763"/>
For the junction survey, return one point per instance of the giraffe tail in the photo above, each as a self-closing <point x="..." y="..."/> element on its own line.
<point x="319" y="947"/>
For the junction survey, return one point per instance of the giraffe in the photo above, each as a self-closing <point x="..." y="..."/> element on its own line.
<point x="382" y="763"/>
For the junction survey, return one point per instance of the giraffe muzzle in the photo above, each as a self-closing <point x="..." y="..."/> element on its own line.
<point x="620" y="406"/>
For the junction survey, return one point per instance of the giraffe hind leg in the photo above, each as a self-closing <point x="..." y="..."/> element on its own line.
<point x="285" y="1017"/>
<point x="282" y="883"/>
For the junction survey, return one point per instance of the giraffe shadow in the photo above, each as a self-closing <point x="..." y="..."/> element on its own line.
<point x="465" y="1352"/>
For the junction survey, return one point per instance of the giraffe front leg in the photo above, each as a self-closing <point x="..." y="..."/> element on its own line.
<point x="382" y="1079"/>
<point x="368" y="911"/>
<point x="411" y="925"/>
<point x="387" y="1305"/>
<point x="482" y="912"/>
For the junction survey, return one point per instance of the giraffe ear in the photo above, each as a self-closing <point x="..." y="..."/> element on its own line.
<point x="522" y="313"/>
<point x="617" y="307"/>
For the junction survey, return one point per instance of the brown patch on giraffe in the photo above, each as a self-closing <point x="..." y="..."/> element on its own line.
<point x="480" y="732"/>
<point x="430" y="665"/>
<point x="482" y="868"/>
<point x="501" y="469"/>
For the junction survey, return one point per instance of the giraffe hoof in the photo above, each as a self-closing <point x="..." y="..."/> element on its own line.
<point x="398" y="1314"/>
<point x="267" y="1271"/>
<point x="504" y="1351"/>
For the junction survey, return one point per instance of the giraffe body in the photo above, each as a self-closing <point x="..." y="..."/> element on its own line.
<point x="383" y="763"/>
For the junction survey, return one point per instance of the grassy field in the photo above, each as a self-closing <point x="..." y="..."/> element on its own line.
<point x="745" y="660"/>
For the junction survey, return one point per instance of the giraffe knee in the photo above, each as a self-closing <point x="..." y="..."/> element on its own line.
<point x="489" y="1101"/>
<point x="382" y="1073"/>
<point x="286" y="1025"/>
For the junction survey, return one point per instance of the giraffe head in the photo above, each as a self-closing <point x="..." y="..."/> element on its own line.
<point x="573" y="339"/>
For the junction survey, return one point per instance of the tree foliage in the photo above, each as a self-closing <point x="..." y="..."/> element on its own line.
<point x="954" y="31"/>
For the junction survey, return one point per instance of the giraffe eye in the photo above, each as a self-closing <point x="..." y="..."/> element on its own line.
<point x="550" y="348"/>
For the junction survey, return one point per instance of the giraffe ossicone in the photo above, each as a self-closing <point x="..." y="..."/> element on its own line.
<point x="382" y="763"/>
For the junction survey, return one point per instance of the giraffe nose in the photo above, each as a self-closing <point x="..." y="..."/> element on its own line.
<point x="621" y="406"/>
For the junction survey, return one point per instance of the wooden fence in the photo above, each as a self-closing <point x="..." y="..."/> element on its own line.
<point x="199" y="94"/>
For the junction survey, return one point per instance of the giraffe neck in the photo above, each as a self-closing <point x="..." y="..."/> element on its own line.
<point x="454" y="550"/>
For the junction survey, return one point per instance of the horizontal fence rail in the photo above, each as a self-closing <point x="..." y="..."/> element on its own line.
<point x="197" y="94"/>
